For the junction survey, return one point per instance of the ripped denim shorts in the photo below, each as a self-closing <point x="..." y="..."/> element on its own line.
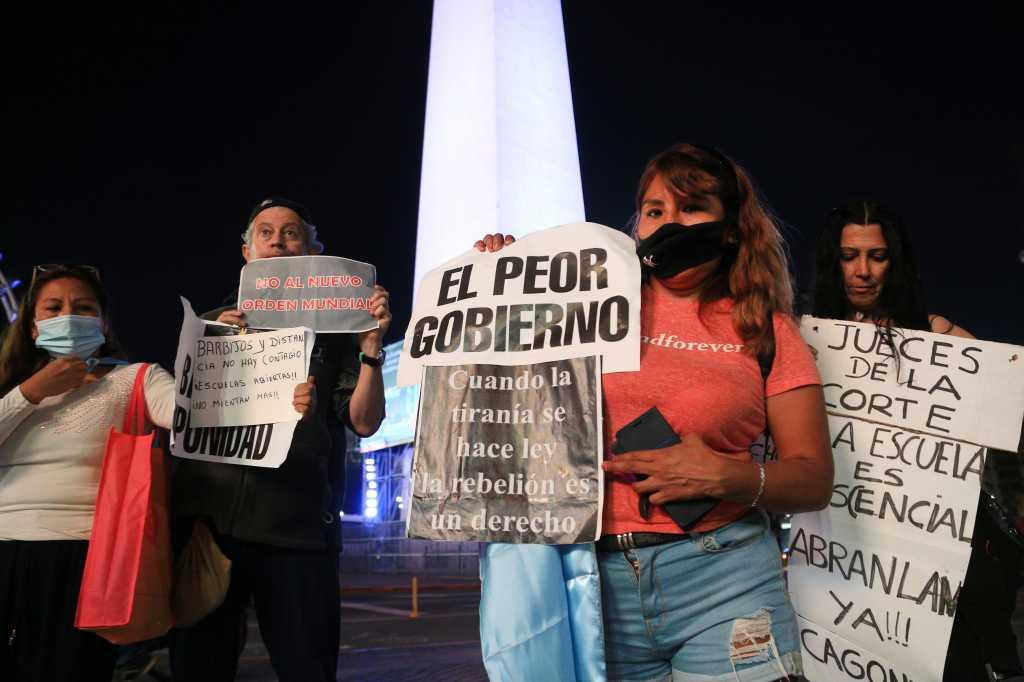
<point x="712" y="607"/>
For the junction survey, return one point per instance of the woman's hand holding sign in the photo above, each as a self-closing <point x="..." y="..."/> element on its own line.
<point x="686" y="471"/>
<point x="493" y="242"/>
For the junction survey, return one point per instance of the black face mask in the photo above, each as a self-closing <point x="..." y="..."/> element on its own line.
<point x="674" y="247"/>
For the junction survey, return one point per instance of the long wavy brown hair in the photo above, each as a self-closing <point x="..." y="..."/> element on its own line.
<point x="755" y="274"/>
<point x="19" y="356"/>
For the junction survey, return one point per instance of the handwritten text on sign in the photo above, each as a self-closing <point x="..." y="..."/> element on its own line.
<point x="902" y="484"/>
<point x="827" y="657"/>
<point x="509" y="453"/>
<point x="557" y="293"/>
<point x="964" y="389"/>
<point x="258" y="445"/>
<point x="882" y="566"/>
<point x="248" y="379"/>
<point x="325" y="293"/>
<point x="875" y="577"/>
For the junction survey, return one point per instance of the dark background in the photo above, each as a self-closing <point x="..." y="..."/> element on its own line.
<point x="137" y="140"/>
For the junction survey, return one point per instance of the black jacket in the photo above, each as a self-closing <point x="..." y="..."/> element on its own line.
<point x="296" y="505"/>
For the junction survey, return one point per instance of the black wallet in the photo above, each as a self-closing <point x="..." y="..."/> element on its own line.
<point x="650" y="431"/>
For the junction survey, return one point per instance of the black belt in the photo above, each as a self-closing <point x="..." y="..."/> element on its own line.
<point x="624" y="541"/>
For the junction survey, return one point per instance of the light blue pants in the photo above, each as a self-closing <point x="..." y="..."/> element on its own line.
<point x="713" y="607"/>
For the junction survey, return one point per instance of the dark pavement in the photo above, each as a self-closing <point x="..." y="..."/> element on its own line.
<point x="379" y="639"/>
<point x="424" y="662"/>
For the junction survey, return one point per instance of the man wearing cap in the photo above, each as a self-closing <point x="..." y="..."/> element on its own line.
<point x="280" y="527"/>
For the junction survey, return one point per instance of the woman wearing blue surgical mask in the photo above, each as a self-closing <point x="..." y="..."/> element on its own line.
<point x="63" y="383"/>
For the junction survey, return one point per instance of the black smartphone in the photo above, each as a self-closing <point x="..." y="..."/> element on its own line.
<point x="650" y="431"/>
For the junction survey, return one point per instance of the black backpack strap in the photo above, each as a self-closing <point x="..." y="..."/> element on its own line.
<point x="766" y="359"/>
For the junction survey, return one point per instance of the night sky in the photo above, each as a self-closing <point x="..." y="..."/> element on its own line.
<point x="138" y="142"/>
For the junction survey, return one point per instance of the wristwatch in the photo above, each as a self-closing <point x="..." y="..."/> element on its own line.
<point x="372" y="362"/>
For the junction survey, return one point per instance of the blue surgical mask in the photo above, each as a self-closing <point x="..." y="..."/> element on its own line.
<point x="78" y="335"/>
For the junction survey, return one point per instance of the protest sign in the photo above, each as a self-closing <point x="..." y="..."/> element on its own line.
<point x="875" y="577"/>
<point x="249" y="379"/>
<point x="325" y="293"/>
<point x="882" y="566"/>
<point x="965" y="389"/>
<point x="903" y="485"/>
<point x="563" y="292"/>
<point x="827" y="656"/>
<point x="259" y="445"/>
<point x="509" y="453"/>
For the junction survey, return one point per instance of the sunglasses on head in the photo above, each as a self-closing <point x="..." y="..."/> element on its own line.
<point x="60" y="268"/>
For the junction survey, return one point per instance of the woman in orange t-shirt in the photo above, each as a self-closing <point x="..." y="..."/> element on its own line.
<point x="721" y="359"/>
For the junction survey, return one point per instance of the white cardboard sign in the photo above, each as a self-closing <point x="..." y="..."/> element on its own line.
<point x="250" y="378"/>
<point x="883" y="564"/>
<point x="559" y="293"/>
<point x="964" y="389"/>
<point x="257" y="445"/>
<point x="876" y="575"/>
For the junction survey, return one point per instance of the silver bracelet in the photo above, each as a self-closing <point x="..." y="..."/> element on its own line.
<point x="760" y="487"/>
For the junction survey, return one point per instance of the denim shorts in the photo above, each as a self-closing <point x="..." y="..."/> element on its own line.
<point x="713" y="607"/>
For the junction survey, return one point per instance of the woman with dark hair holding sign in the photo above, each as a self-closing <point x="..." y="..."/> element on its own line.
<point x="690" y="573"/>
<point x="866" y="271"/>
